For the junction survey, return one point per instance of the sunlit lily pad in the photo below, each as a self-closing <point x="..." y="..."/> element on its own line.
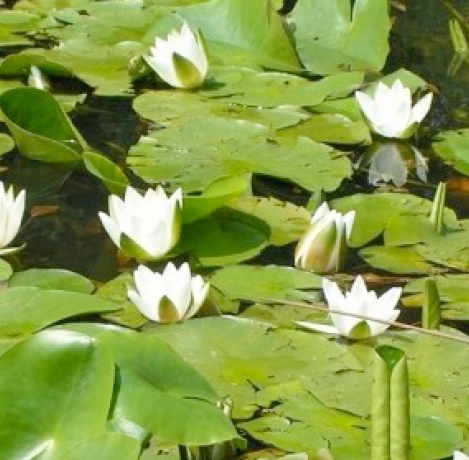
<point x="27" y="309"/>
<point x="254" y="27"/>
<point x="166" y="106"/>
<point x="225" y="237"/>
<point x="49" y="278"/>
<point x="257" y="283"/>
<point x="397" y="259"/>
<point x="287" y="222"/>
<point x="271" y="89"/>
<point x="65" y="413"/>
<point x="331" y="35"/>
<point x="403" y="218"/>
<point x="192" y="154"/>
<point x="453" y="290"/>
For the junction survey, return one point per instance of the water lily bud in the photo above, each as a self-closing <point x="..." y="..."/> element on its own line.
<point x="37" y="79"/>
<point x="322" y="248"/>
<point x="168" y="297"/>
<point x="389" y="111"/>
<point x="357" y="302"/>
<point x="11" y="214"/>
<point x="181" y="59"/>
<point x="144" y="227"/>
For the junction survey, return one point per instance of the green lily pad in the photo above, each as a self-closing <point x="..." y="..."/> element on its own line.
<point x="316" y="427"/>
<point x="331" y="35"/>
<point x="166" y="106"/>
<point x="6" y="143"/>
<point x="225" y="237"/>
<point x="193" y="154"/>
<point x="27" y="309"/>
<point x="257" y="283"/>
<point x="42" y="131"/>
<point x="389" y="210"/>
<point x="400" y="260"/>
<point x="153" y="375"/>
<point x="287" y="222"/>
<point x="247" y="356"/>
<point x="6" y="270"/>
<point x="453" y="290"/>
<point x="52" y="278"/>
<point x="216" y="195"/>
<point x="116" y="291"/>
<point x="331" y="128"/>
<point x="65" y="413"/>
<point x="272" y="89"/>
<point x="254" y="27"/>
<point x="451" y="147"/>
<point x="106" y="171"/>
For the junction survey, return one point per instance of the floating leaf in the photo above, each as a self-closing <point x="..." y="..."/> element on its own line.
<point x="452" y="147"/>
<point x="193" y="154"/>
<point x="287" y="222"/>
<point x="65" y="379"/>
<point x="335" y="35"/>
<point x="254" y="27"/>
<point x="225" y="237"/>
<point x="162" y="393"/>
<point x="39" y="126"/>
<point x="27" y="309"/>
<point x="106" y="171"/>
<point x="216" y="195"/>
<point x="52" y="278"/>
<point x="272" y="89"/>
<point x="251" y="282"/>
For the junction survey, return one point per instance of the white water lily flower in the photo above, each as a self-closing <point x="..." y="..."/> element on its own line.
<point x="389" y="111"/>
<point x="145" y="227"/>
<point x="358" y="301"/>
<point x="458" y="455"/>
<point x="322" y="248"/>
<point x="181" y="59"/>
<point x="11" y="214"/>
<point x="167" y="297"/>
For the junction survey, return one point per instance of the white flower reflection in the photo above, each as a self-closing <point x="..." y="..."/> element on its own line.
<point x="392" y="162"/>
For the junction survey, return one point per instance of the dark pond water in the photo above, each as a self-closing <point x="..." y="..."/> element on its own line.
<point x="72" y="238"/>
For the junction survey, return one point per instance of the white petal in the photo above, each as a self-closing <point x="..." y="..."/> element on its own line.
<point x="111" y="228"/>
<point x="320" y="213"/>
<point x="178" y="289"/>
<point x="379" y="328"/>
<point x="421" y="108"/>
<point x="458" y="455"/>
<point x="366" y="104"/>
<point x="146" y="309"/>
<point x="349" y="219"/>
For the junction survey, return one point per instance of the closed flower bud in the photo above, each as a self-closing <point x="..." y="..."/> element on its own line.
<point x="322" y="248"/>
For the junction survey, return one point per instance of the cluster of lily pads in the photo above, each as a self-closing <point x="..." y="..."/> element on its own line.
<point x="198" y="349"/>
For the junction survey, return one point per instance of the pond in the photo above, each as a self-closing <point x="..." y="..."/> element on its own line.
<point x="247" y="238"/>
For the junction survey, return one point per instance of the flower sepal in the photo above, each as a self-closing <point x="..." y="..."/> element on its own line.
<point x="11" y="251"/>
